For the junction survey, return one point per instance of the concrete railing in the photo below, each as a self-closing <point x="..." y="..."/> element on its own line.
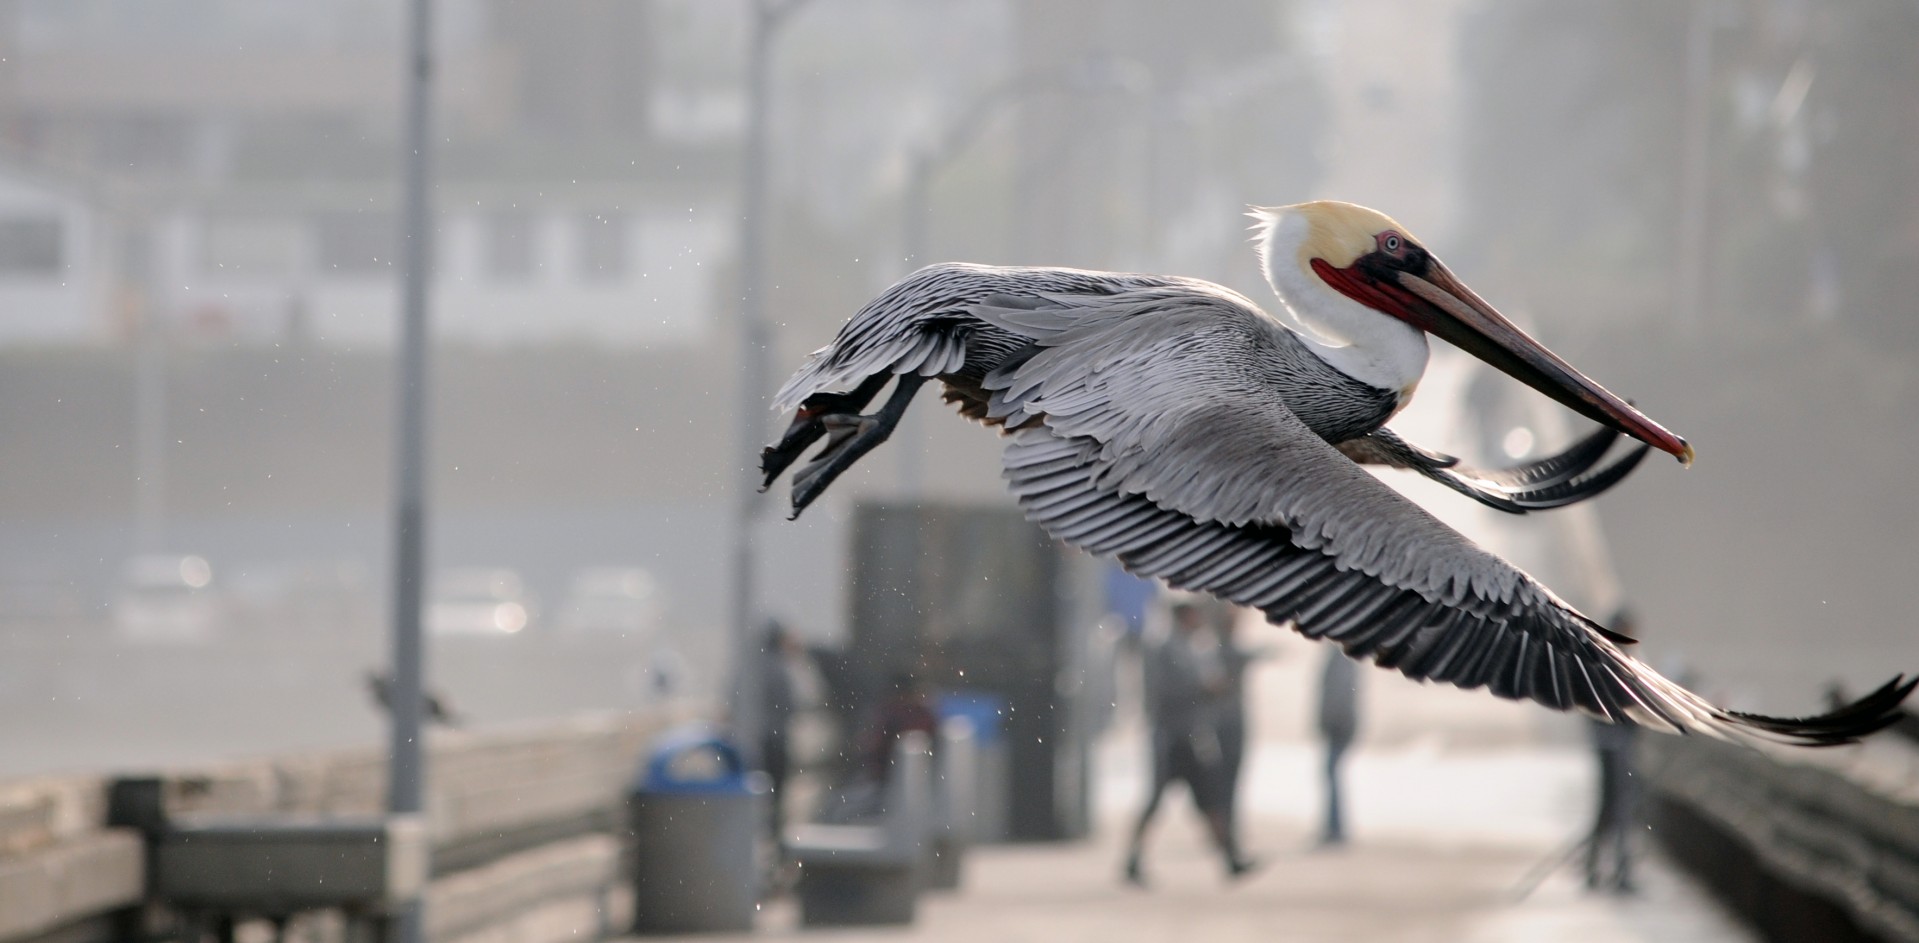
<point x="523" y="825"/>
<point x="1802" y="844"/>
<point x="60" y="867"/>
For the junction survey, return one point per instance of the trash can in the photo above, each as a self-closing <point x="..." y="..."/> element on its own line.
<point x="992" y="783"/>
<point x="694" y="815"/>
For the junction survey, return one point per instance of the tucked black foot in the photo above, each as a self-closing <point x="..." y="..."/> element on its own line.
<point x="807" y="426"/>
<point x="848" y="438"/>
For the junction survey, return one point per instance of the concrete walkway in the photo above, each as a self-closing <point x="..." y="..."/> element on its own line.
<point x="1455" y="801"/>
<point x="1421" y="874"/>
<point x="1374" y="892"/>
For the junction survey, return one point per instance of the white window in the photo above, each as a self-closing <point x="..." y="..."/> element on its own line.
<point x="354" y="243"/>
<point x="30" y="245"/>
<point x="603" y="246"/>
<point x="510" y="246"/>
<point x="254" y="247"/>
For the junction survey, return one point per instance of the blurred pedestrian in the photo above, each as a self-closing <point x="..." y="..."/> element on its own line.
<point x="1609" y="846"/>
<point x="907" y="707"/>
<point x="1338" y="726"/>
<point x="779" y="657"/>
<point x="841" y="687"/>
<point x="1229" y="708"/>
<point x="1180" y="689"/>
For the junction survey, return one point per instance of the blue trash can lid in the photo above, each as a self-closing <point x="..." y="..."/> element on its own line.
<point x="986" y="711"/>
<point x="694" y="759"/>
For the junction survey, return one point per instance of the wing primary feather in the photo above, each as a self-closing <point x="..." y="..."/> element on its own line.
<point x="1386" y="628"/>
<point x="1460" y="662"/>
<point x="1355" y="611"/>
<point x="1415" y="637"/>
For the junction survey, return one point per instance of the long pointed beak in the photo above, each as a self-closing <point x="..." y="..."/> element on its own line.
<point x="1466" y="321"/>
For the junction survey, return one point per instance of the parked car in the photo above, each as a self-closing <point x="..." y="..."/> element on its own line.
<point x="167" y="599"/>
<point x="331" y="598"/>
<point x="474" y="601"/>
<point x="612" y="600"/>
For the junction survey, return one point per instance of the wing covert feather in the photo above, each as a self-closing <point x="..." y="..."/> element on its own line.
<point x="1175" y="387"/>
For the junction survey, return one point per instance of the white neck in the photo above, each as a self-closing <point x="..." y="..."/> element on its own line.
<point x="1370" y="346"/>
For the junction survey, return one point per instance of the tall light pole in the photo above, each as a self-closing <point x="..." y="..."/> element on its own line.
<point x="926" y="161"/>
<point x="406" y="783"/>
<point x="755" y="342"/>
<point x="149" y="392"/>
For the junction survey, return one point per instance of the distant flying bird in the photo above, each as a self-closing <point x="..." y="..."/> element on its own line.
<point x="380" y="685"/>
<point x="1172" y="424"/>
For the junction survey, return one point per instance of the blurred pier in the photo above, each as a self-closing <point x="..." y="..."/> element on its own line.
<point x="1464" y="811"/>
<point x="1459" y="807"/>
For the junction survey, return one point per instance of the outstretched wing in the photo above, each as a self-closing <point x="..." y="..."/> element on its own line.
<point x="1150" y="439"/>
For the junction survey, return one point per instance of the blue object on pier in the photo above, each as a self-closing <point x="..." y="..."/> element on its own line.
<point x="694" y="760"/>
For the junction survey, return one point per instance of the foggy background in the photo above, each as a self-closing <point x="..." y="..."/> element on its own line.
<point x="1711" y="207"/>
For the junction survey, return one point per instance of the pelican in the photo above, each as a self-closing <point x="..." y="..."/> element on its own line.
<point x="1174" y="425"/>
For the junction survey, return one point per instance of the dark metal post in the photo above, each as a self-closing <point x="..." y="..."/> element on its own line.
<point x="407" y="763"/>
<point x="149" y="413"/>
<point x="916" y="210"/>
<point x="753" y="357"/>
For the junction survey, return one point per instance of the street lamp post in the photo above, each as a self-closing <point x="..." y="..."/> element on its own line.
<point x="407" y="763"/>
<point x="755" y="342"/>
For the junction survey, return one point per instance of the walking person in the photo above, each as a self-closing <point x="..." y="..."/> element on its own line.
<point x="1184" y="740"/>
<point x="1338" y="725"/>
<point x="778" y="693"/>
<point x="1229" y="709"/>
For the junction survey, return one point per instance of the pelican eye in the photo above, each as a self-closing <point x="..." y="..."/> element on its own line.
<point x="1392" y="242"/>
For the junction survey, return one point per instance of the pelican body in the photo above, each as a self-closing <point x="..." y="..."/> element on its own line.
<point x="1174" y="425"/>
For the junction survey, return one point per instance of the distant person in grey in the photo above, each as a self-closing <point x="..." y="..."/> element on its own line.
<point x="1338" y="725"/>
<point x="777" y="696"/>
<point x="1229" y="709"/>
<point x="1180" y="690"/>
<point x="1609" y="846"/>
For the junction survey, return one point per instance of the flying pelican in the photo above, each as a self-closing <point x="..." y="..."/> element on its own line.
<point x="1174" y="425"/>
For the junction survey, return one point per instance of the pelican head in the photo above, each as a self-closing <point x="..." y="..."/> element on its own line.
<point x="1339" y="267"/>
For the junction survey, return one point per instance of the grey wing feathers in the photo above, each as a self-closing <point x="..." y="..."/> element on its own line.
<point x="897" y="345"/>
<point x="1183" y="415"/>
<point x="918" y="326"/>
<point x="1157" y="440"/>
<point x="923" y="325"/>
<point x="1544" y="652"/>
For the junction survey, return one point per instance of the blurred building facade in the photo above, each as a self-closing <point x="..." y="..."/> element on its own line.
<point x="229" y="168"/>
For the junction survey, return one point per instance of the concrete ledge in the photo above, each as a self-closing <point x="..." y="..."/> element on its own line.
<point x="863" y="875"/>
<point x="282" y="865"/>
<point x="71" y="881"/>
<point x="854" y="843"/>
<point x="1807" y="827"/>
<point x="38" y="812"/>
<point x="481" y="783"/>
<point x="852" y="895"/>
<point x="517" y="890"/>
<point x="535" y="803"/>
